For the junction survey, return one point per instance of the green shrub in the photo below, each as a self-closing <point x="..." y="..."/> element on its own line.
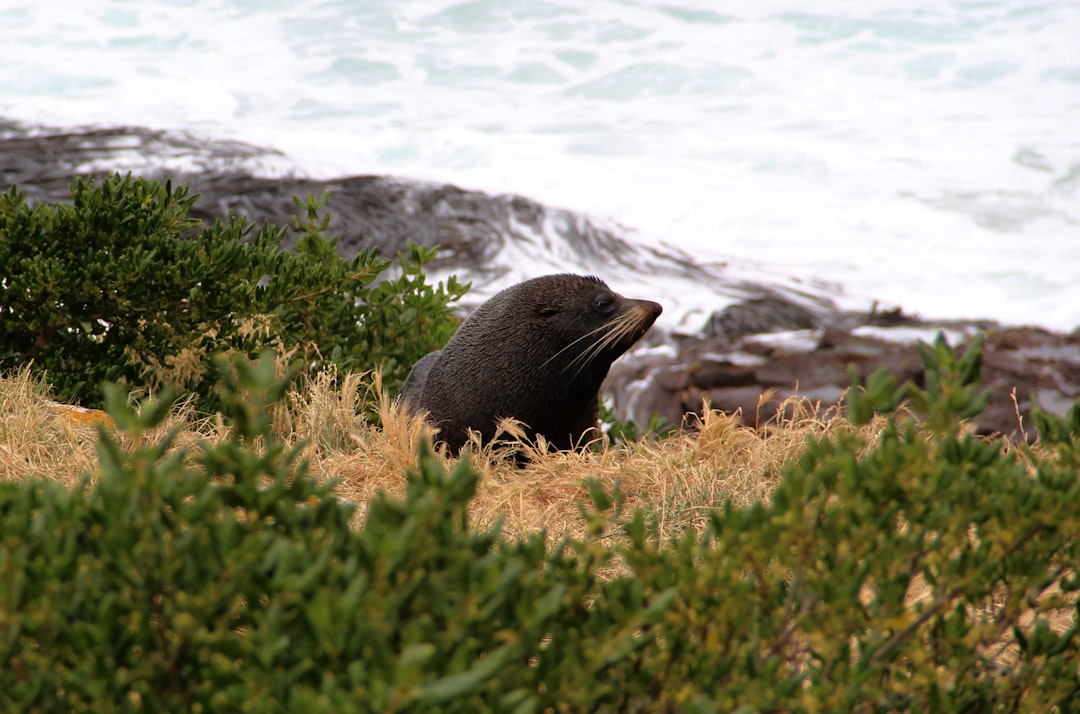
<point x="122" y="286"/>
<point x="222" y="579"/>
<point x="627" y="431"/>
<point x="917" y="573"/>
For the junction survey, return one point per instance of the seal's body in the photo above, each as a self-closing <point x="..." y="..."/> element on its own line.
<point x="537" y="352"/>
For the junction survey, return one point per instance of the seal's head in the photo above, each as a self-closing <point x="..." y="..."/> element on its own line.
<point x="537" y="352"/>
<point x="596" y="323"/>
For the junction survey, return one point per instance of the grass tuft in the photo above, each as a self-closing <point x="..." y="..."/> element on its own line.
<point x="676" y="480"/>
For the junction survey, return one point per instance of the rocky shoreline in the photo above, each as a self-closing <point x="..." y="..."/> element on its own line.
<point x="755" y="373"/>
<point x="776" y="339"/>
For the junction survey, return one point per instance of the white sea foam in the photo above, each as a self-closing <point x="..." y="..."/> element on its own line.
<point x="922" y="153"/>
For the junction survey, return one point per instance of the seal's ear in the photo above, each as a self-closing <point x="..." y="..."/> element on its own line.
<point x="548" y="310"/>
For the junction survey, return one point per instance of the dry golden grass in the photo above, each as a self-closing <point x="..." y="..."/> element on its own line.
<point x="677" y="480"/>
<point x="43" y="438"/>
<point x="39" y="439"/>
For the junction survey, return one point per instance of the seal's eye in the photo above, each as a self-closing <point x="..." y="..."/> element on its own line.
<point x="605" y="303"/>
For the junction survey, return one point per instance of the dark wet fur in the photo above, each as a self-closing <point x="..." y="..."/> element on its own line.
<point x="537" y="352"/>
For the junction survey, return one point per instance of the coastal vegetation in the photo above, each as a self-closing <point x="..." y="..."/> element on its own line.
<point x="281" y="537"/>
<point x="121" y="285"/>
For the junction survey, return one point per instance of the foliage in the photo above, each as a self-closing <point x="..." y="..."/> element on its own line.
<point x="928" y="571"/>
<point x="122" y="286"/>
<point x="626" y="431"/>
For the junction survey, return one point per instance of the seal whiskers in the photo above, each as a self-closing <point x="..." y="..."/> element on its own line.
<point x="583" y="337"/>
<point x="625" y="325"/>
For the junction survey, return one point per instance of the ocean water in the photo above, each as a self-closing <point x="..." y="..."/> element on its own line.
<point x="921" y="153"/>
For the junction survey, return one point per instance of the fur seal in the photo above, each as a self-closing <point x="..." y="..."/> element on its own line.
<point x="537" y="352"/>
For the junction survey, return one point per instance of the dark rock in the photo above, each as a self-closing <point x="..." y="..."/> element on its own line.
<point x="1039" y="365"/>
<point x="483" y="239"/>
<point x="832" y="337"/>
<point x="711" y="374"/>
<point x="788" y="371"/>
<point x="771" y="313"/>
<point x="894" y="317"/>
<point x="673" y="379"/>
<point x="647" y="384"/>
<point x="756" y="405"/>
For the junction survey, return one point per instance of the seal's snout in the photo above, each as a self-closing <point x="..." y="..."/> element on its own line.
<point x="647" y="310"/>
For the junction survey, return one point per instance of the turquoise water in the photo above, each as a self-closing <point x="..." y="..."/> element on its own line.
<point x="925" y="154"/>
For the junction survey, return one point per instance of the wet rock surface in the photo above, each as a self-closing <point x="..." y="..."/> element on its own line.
<point x="490" y="241"/>
<point x="760" y="340"/>
<point x="754" y="374"/>
<point x="481" y="236"/>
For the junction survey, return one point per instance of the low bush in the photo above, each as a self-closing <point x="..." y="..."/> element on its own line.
<point x="617" y="431"/>
<point x="927" y="570"/>
<point x="122" y="286"/>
